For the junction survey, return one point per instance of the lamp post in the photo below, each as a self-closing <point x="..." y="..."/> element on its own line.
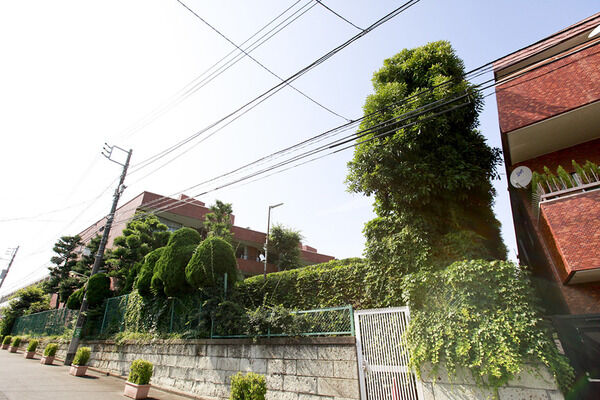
<point x="267" y="241"/>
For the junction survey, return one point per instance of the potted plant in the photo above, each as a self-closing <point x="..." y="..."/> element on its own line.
<point x="250" y="386"/>
<point x="31" y="347"/>
<point x="15" y="344"/>
<point x="79" y="367"/>
<point x="49" y="353"/>
<point x="6" y="342"/>
<point x="138" y="383"/>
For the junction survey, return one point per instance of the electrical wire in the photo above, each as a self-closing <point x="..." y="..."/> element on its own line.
<point x="339" y="16"/>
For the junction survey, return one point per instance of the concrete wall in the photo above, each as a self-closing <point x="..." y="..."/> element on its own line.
<point x="533" y="383"/>
<point x="295" y="369"/>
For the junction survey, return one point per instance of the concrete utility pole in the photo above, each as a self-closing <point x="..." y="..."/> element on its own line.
<point x="12" y="258"/>
<point x="100" y="254"/>
<point x="267" y="241"/>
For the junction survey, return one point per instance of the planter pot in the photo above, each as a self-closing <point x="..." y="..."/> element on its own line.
<point x="13" y="349"/>
<point x="136" y="391"/>
<point x="47" y="360"/>
<point x="78" y="370"/>
<point x="29" y="354"/>
<point x="5" y="346"/>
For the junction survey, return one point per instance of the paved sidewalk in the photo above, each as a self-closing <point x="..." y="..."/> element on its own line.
<point x="22" y="379"/>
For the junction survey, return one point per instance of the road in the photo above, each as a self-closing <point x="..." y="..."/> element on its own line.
<point x="22" y="379"/>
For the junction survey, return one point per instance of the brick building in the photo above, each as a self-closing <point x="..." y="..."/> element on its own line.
<point x="189" y="212"/>
<point x="549" y="111"/>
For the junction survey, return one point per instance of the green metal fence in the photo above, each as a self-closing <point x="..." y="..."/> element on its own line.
<point x="45" y="323"/>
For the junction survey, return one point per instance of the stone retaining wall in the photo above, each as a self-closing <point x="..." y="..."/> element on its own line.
<point x="295" y="369"/>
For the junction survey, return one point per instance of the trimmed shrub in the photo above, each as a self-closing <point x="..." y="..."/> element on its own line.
<point x="331" y="284"/>
<point x="213" y="258"/>
<point x="50" y="350"/>
<point x="75" y="299"/>
<point x="156" y="286"/>
<point x="140" y="372"/>
<point x="16" y="342"/>
<point x="98" y="289"/>
<point x="32" y="345"/>
<point x="82" y="356"/>
<point x="481" y="315"/>
<point x="144" y="278"/>
<point x="248" y="387"/>
<point x="170" y="267"/>
<point x="7" y="339"/>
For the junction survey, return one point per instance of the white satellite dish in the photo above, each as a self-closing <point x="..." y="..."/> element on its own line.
<point x="520" y="177"/>
<point x="594" y="32"/>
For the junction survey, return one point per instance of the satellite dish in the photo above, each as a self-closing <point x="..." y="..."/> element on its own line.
<point x="594" y="32"/>
<point x="520" y="177"/>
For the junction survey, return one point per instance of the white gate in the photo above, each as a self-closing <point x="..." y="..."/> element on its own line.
<point x="382" y="355"/>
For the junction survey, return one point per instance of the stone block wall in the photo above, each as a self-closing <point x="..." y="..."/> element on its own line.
<point x="295" y="369"/>
<point x="534" y="382"/>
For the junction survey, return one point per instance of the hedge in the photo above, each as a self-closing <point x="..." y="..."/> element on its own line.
<point x="98" y="289"/>
<point x="212" y="259"/>
<point x="75" y="299"/>
<point x="144" y="278"/>
<point x="335" y="283"/>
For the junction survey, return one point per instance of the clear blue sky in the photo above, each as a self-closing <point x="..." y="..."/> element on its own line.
<point x="76" y="74"/>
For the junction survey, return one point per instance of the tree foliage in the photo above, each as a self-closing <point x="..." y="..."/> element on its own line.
<point x="75" y="299"/>
<point x="98" y="289"/>
<point x="64" y="262"/>
<point x="429" y="175"/>
<point x="140" y="237"/>
<point x="284" y="248"/>
<point x="218" y="221"/>
<point x="26" y="301"/>
<point x="212" y="259"/>
<point x="144" y="277"/>
<point x="482" y="316"/>
<point x="169" y="271"/>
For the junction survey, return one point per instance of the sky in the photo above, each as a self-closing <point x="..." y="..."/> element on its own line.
<point x="76" y="74"/>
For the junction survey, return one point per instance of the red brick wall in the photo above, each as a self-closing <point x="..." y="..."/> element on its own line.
<point x="580" y="153"/>
<point x="574" y="223"/>
<point x="553" y="89"/>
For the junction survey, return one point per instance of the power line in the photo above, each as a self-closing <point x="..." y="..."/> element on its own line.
<point x="270" y="92"/>
<point x="339" y="16"/>
<point x="258" y="62"/>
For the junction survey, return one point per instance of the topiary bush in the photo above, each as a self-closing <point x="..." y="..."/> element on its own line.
<point x="16" y="342"/>
<point x="7" y="339"/>
<point x="212" y="259"/>
<point x="98" y="289"/>
<point x="32" y="345"/>
<point x="248" y="387"/>
<point x="50" y="350"/>
<point x="140" y="372"/>
<point x="82" y="356"/>
<point x="482" y="316"/>
<point x="170" y="267"/>
<point x="75" y="299"/>
<point x="144" y="279"/>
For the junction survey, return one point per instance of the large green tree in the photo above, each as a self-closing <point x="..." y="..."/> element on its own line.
<point x="284" y="248"/>
<point x="140" y="237"/>
<point x="218" y="221"/>
<point x="429" y="174"/>
<point x="64" y="262"/>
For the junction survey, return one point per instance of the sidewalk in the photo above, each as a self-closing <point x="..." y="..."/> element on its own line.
<point x="22" y="379"/>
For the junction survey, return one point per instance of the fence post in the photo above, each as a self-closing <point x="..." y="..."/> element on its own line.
<point x="351" y="311"/>
<point x="104" y="317"/>
<point x="225" y="287"/>
<point x="172" y="311"/>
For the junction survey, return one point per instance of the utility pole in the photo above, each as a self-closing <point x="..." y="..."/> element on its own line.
<point x="100" y="254"/>
<point x="12" y="258"/>
<point x="267" y="241"/>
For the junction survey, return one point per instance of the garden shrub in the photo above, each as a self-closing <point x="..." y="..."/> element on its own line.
<point x="32" y="345"/>
<point x="248" y="387"/>
<point x="170" y="267"/>
<point x="140" y="372"/>
<point x="50" y="350"/>
<point x="75" y="299"/>
<point x="144" y="278"/>
<point x="7" y="339"/>
<point x="16" y="342"/>
<point x="482" y="316"/>
<point x="98" y="289"/>
<point x="213" y="258"/>
<point x="82" y="356"/>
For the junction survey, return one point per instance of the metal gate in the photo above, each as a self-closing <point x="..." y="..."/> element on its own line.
<point x="382" y="355"/>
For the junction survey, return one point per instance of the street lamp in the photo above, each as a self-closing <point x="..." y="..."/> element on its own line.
<point x="267" y="241"/>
